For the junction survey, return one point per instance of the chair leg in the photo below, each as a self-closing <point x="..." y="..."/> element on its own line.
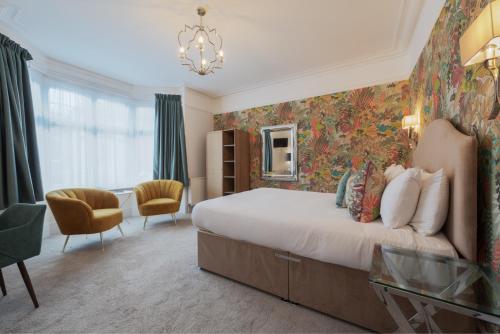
<point x="27" y="282"/>
<point x="145" y="222"/>
<point x="120" y="229"/>
<point x="65" y="243"/>
<point x="102" y="242"/>
<point x="174" y="217"/>
<point x="2" y="284"/>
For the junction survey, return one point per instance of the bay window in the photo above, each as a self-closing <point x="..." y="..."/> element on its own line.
<point x="90" y="138"/>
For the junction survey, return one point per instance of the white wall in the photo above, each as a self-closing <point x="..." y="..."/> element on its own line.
<point x="198" y="121"/>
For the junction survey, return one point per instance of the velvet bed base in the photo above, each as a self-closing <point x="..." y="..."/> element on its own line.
<point x="335" y="290"/>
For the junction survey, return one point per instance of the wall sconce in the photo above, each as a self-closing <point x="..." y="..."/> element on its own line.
<point x="412" y="124"/>
<point x="481" y="44"/>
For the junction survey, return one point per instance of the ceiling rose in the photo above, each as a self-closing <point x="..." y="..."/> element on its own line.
<point x="200" y="47"/>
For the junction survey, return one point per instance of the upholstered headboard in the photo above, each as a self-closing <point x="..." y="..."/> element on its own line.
<point x="442" y="146"/>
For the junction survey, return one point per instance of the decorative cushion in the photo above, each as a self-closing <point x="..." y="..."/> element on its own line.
<point x="341" y="189"/>
<point x="348" y="190"/>
<point x="392" y="172"/>
<point x="432" y="207"/>
<point x="365" y="193"/>
<point x="400" y="199"/>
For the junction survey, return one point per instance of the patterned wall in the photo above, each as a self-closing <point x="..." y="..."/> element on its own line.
<point x="441" y="88"/>
<point x="332" y="130"/>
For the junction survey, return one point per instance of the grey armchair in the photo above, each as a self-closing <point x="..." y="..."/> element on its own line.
<point x="21" y="227"/>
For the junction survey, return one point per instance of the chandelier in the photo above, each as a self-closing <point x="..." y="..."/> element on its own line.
<point x="200" y="47"/>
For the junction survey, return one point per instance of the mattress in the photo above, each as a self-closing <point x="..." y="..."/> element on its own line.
<point x="307" y="224"/>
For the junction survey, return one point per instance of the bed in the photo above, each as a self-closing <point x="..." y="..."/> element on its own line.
<point x="300" y="247"/>
<point x="307" y="224"/>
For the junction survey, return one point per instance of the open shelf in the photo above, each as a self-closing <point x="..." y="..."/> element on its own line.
<point x="228" y="153"/>
<point x="228" y="158"/>
<point x="228" y="138"/>
<point x="228" y="170"/>
<point x="228" y="185"/>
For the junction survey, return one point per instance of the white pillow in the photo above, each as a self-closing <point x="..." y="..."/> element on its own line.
<point x="432" y="207"/>
<point x="392" y="172"/>
<point x="400" y="198"/>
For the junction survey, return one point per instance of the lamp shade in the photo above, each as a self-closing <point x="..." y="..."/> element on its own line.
<point x="481" y="40"/>
<point x="409" y="121"/>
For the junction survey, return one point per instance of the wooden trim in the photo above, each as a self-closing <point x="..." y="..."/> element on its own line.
<point x="242" y="161"/>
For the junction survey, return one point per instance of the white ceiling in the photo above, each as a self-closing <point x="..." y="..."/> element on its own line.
<point x="265" y="41"/>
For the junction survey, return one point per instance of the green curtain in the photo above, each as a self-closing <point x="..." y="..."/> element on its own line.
<point x="20" y="179"/>
<point x="170" y="144"/>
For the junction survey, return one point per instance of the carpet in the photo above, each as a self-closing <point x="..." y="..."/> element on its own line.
<point x="147" y="282"/>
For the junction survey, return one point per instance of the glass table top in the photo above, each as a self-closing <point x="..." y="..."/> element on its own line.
<point x="454" y="281"/>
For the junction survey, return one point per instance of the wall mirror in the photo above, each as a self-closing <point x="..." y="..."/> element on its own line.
<point x="279" y="152"/>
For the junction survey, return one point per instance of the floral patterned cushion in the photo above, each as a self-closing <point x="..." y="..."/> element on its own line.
<point x="364" y="193"/>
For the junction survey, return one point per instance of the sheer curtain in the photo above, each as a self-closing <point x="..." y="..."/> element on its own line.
<point x="88" y="138"/>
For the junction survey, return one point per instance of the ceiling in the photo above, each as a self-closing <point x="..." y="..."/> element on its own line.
<point x="135" y="41"/>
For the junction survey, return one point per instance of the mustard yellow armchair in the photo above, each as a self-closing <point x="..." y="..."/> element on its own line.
<point x="85" y="211"/>
<point x="159" y="197"/>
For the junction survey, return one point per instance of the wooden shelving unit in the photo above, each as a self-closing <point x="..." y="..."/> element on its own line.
<point x="228" y="162"/>
<point x="228" y="170"/>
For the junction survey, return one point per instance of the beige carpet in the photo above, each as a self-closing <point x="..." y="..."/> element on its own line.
<point x="146" y="282"/>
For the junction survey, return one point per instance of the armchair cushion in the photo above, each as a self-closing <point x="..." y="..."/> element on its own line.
<point x="159" y="206"/>
<point x="104" y="219"/>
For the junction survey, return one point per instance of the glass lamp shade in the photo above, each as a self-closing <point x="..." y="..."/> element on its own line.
<point x="481" y="40"/>
<point x="409" y="121"/>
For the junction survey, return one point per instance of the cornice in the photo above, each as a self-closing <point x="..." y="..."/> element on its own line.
<point x="403" y="55"/>
<point x="364" y="74"/>
<point x="352" y="64"/>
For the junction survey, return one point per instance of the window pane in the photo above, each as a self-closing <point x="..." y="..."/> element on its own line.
<point x="89" y="139"/>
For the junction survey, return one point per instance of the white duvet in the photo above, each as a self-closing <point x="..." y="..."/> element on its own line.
<point x="307" y="224"/>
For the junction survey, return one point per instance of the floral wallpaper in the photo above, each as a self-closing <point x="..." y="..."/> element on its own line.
<point x="440" y="87"/>
<point x="333" y="131"/>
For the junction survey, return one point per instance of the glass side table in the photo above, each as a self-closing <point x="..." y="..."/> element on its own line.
<point x="432" y="282"/>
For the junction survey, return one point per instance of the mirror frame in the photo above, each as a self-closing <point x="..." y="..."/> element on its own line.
<point x="294" y="164"/>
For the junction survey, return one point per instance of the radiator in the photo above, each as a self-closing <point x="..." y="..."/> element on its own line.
<point x="197" y="190"/>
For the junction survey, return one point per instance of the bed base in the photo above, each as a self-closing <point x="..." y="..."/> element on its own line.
<point x="335" y="290"/>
